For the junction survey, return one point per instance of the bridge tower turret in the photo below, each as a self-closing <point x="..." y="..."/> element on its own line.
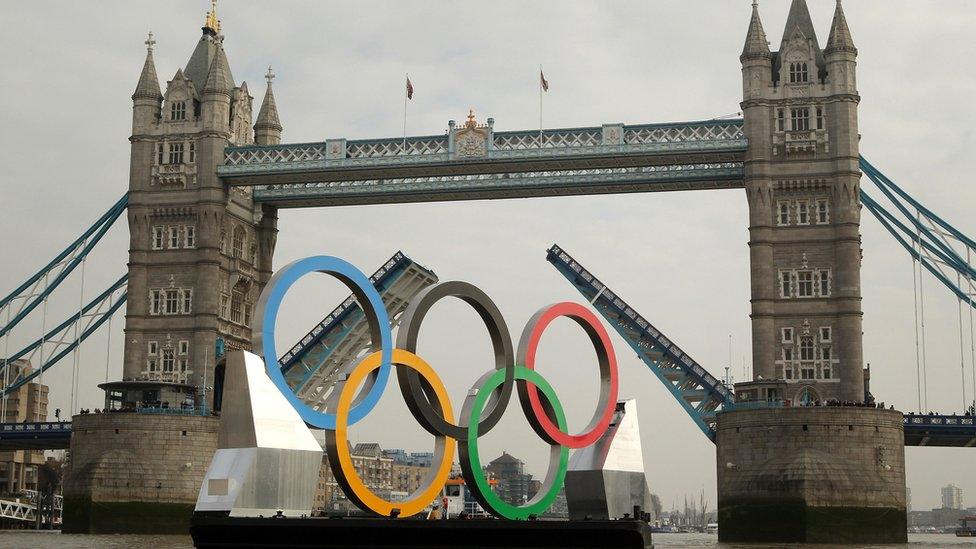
<point x="147" y="97"/>
<point x="199" y="251"/>
<point x="267" y="129"/>
<point x="800" y="110"/>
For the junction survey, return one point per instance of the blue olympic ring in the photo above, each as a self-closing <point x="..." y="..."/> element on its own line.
<point x="376" y="315"/>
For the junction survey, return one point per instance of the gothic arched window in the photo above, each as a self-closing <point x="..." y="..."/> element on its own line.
<point x="178" y="110"/>
<point x="806" y="349"/>
<point x="238" y="243"/>
<point x="799" y="73"/>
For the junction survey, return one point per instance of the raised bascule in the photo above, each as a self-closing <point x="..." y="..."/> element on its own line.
<point x="204" y="193"/>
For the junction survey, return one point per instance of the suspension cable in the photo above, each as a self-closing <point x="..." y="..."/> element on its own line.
<point x="6" y="371"/>
<point x="108" y="343"/>
<point x="972" y="344"/>
<point x="918" y="353"/>
<point x="40" y="362"/>
<point x="962" y="354"/>
<point x="77" y="350"/>
<point x="921" y="301"/>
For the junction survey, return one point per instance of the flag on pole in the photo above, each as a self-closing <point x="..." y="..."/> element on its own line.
<point x="543" y="82"/>
<point x="409" y="89"/>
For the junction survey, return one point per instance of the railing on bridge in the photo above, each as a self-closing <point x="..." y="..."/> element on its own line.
<point x="17" y="510"/>
<point x="26" y="510"/>
<point x="613" y="139"/>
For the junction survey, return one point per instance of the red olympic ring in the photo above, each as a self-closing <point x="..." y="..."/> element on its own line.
<point x="529" y="393"/>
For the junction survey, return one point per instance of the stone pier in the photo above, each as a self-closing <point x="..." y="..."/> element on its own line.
<point x="136" y="473"/>
<point x="811" y="475"/>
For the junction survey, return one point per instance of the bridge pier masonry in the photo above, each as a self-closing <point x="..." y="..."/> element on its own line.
<point x="804" y="456"/>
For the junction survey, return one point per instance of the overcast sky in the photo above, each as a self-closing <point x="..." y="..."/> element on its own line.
<point x="681" y="259"/>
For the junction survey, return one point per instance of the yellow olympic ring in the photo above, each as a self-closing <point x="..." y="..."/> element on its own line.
<point x="352" y="485"/>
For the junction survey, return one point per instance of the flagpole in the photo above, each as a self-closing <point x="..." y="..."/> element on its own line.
<point x="405" y="118"/>
<point x="540" y="106"/>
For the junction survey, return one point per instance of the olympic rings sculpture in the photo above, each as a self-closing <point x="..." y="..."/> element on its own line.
<point x="426" y="396"/>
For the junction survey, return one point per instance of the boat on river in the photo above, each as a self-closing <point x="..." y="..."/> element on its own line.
<point x="967" y="527"/>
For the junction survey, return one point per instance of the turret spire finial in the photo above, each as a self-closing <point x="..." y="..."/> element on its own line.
<point x="270" y="76"/>
<point x="150" y="42"/>
<point x="211" y="22"/>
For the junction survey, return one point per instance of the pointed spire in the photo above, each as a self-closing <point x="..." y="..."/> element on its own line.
<point x="756" y="43"/>
<point x="267" y="128"/>
<point x="148" y="86"/>
<point x="218" y="79"/>
<point x="800" y="17"/>
<point x="840" y="34"/>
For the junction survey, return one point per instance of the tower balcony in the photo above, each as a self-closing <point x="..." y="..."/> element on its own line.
<point x="174" y="176"/>
<point x="241" y="272"/>
<point x="801" y="143"/>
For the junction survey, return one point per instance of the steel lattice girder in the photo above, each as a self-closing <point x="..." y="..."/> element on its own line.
<point x="315" y="363"/>
<point x="44" y="435"/>
<point x="697" y="391"/>
<point x="60" y="339"/>
<point x="682" y="156"/>
<point x="940" y="430"/>
<point x="725" y="175"/>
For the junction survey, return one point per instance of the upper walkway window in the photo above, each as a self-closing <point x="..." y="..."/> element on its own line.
<point x="799" y="73"/>
<point x="237" y="245"/>
<point x="176" y="153"/>
<point x="800" y="117"/>
<point x="178" y="110"/>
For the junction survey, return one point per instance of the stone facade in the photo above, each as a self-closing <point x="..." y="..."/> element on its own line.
<point x="802" y="182"/>
<point x="18" y="468"/>
<point x="828" y="474"/>
<point x="515" y="486"/>
<point x="374" y="468"/>
<point x="812" y="474"/>
<point x="199" y="251"/>
<point x="407" y="477"/>
<point x="133" y="472"/>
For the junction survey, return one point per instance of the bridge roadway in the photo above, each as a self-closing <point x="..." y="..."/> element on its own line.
<point x="40" y="435"/>
<point x="940" y="430"/>
<point x="473" y="162"/>
<point x="920" y="430"/>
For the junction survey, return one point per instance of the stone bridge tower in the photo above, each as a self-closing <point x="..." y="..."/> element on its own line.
<point x="199" y="251"/>
<point x="806" y="473"/>
<point x="802" y="180"/>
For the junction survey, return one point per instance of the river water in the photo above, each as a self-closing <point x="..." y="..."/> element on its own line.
<point x="54" y="540"/>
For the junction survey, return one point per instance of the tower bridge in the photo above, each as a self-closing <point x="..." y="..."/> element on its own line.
<point x="202" y="204"/>
<point x="473" y="161"/>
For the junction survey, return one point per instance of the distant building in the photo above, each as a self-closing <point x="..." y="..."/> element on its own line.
<point x="920" y="519"/>
<point x="946" y="518"/>
<point x="514" y="484"/>
<point x="391" y="474"/>
<point x="18" y="468"/>
<point x="420" y="459"/>
<point x="952" y="497"/>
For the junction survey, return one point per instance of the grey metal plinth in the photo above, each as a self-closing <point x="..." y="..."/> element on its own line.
<point x="267" y="460"/>
<point x="606" y="481"/>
